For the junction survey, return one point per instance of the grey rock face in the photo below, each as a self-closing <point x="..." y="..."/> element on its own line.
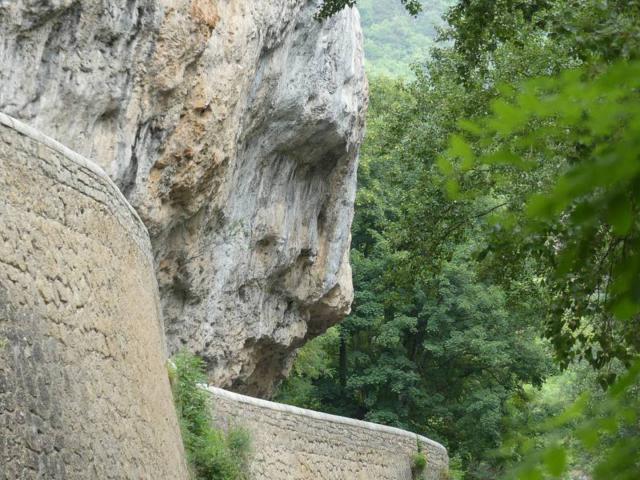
<point x="233" y="128"/>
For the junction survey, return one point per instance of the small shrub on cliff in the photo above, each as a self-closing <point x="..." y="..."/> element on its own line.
<point x="212" y="453"/>
<point x="418" y="462"/>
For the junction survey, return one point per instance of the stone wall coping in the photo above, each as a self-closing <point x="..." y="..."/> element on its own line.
<point x="75" y="157"/>
<point x="325" y="417"/>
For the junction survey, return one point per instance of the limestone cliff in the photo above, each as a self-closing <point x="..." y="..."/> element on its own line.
<point x="233" y="127"/>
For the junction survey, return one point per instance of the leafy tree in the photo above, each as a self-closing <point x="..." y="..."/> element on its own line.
<point x="443" y="96"/>
<point x="594" y="435"/>
<point x="331" y="7"/>
<point x="458" y="258"/>
<point x="590" y="29"/>
<point x="439" y="353"/>
<point x="582" y="226"/>
<point x="394" y="40"/>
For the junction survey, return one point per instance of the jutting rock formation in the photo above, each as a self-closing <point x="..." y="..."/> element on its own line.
<point x="233" y="128"/>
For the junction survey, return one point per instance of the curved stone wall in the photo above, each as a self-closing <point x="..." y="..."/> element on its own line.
<point x="83" y="386"/>
<point x="291" y="443"/>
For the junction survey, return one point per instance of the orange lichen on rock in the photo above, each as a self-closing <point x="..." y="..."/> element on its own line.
<point x="206" y="12"/>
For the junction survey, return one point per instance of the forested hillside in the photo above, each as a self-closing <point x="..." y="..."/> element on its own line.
<point x="394" y="39"/>
<point x="496" y="247"/>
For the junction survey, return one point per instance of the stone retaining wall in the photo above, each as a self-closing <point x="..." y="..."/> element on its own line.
<point x="83" y="386"/>
<point x="291" y="443"/>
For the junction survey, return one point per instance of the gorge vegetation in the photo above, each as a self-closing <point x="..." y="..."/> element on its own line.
<point x="212" y="454"/>
<point x="394" y="40"/>
<point x="495" y="246"/>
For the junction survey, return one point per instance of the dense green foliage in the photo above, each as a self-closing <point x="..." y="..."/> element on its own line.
<point x="394" y="40"/>
<point x="583" y="226"/>
<point x="485" y="248"/>
<point x="435" y="354"/>
<point x="331" y="7"/>
<point x="581" y="229"/>
<point x="581" y="297"/>
<point x="572" y="429"/>
<point x="212" y="453"/>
